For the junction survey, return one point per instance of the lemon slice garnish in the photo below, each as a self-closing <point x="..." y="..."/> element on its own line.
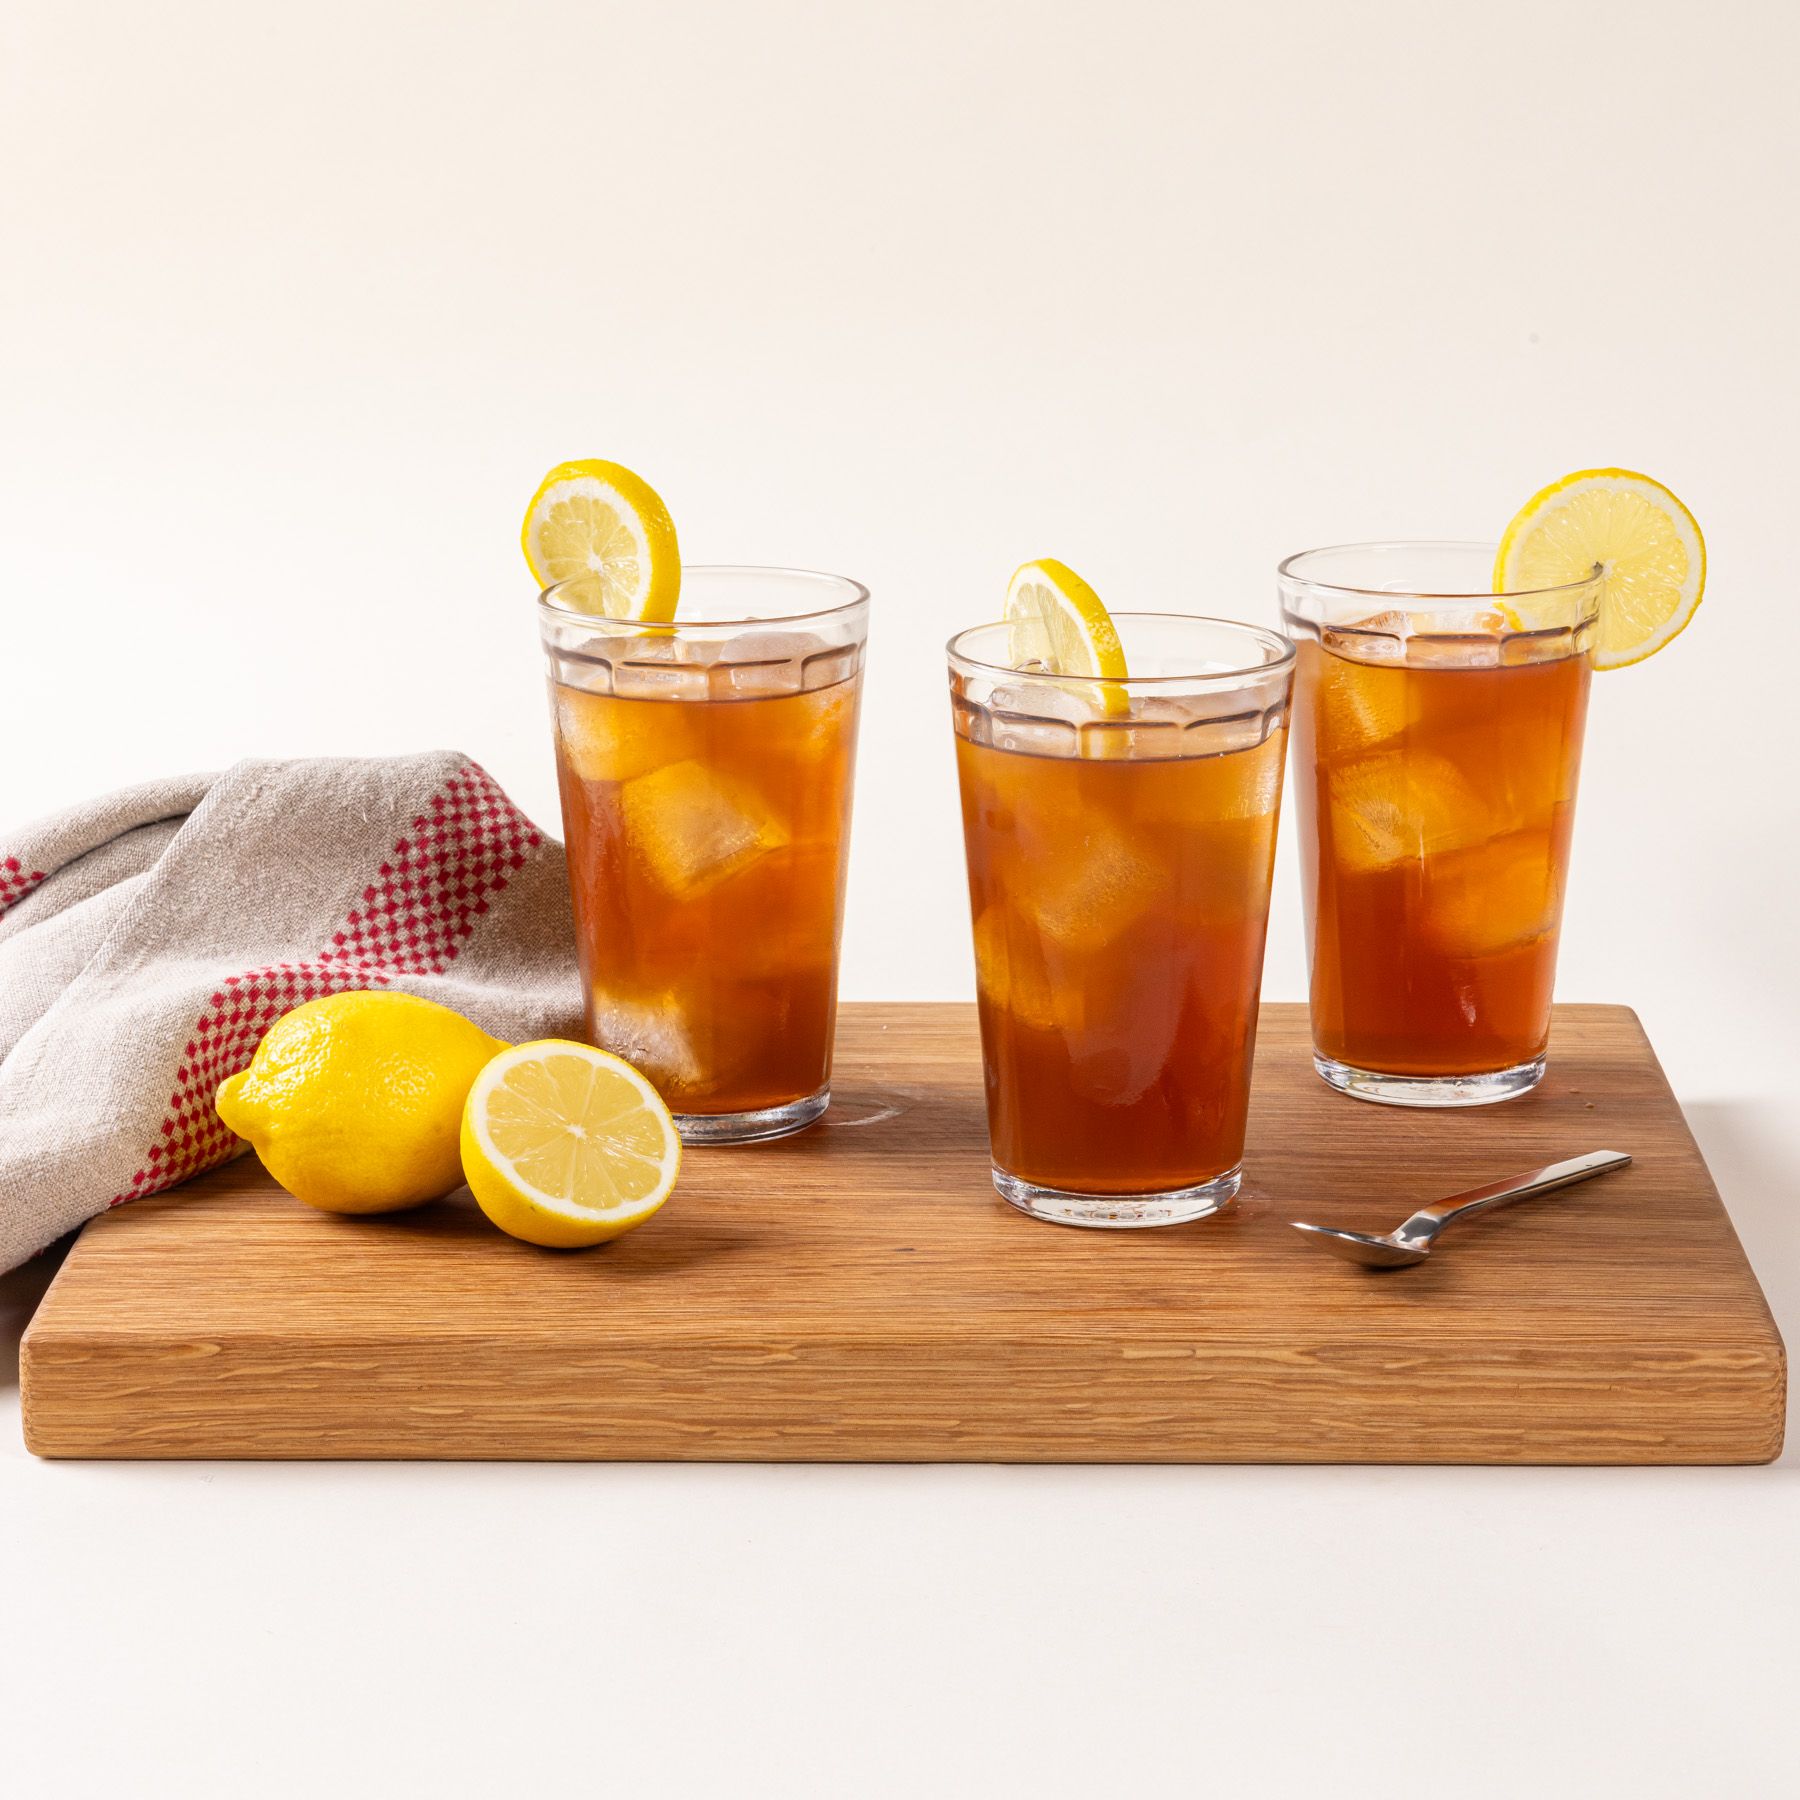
<point x="600" y="521"/>
<point x="1645" y="542"/>
<point x="566" y="1145"/>
<point x="1058" y="625"/>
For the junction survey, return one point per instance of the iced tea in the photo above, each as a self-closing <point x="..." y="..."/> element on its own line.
<point x="1436" y="749"/>
<point x="1119" y="884"/>
<point x="706" y="787"/>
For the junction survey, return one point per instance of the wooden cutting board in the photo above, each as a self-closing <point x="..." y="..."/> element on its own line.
<point x="860" y="1293"/>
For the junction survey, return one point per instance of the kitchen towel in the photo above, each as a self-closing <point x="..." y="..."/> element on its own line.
<point x="150" y="938"/>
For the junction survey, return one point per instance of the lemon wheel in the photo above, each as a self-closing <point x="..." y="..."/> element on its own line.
<point x="1058" y="624"/>
<point x="605" y="531"/>
<point x="1644" y="541"/>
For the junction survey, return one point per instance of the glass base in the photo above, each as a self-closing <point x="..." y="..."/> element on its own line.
<point x="1119" y="1212"/>
<point x="1430" y="1090"/>
<point x="749" y="1127"/>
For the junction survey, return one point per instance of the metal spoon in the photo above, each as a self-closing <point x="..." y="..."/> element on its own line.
<point x="1411" y="1243"/>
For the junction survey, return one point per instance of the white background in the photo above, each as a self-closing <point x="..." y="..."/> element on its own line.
<point x="296" y="306"/>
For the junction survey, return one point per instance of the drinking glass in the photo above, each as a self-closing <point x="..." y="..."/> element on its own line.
<point x="1437" y="740"/>
<point x="1120" y="837"/>
<point x="705" y="768"/>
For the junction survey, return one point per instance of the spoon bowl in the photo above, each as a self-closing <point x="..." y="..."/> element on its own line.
<point x="1383" y="1252"/>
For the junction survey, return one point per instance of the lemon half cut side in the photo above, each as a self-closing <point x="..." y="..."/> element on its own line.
<point x="565" y="1145"/>
<point x="1645" y="543"/>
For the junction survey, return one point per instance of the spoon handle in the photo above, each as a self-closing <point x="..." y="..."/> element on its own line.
<point x="1428" y="1221"/>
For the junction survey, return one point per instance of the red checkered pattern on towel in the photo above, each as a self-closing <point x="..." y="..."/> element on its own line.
<point x="412" y="919"/>
<point x="16" y="881"/>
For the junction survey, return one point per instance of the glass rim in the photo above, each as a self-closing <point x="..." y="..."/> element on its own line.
<point x="1286" y="653"/>
<point x="1287" y="571"/>
<point x="855" y="595"/>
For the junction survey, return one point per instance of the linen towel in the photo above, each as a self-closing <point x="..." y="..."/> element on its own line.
<point x="150" y="938"/>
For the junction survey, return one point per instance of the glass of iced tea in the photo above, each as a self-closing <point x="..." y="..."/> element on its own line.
<point x="1119" y="847"/>
<point x="705" y="768"/>
<point x="1437" y="739"/>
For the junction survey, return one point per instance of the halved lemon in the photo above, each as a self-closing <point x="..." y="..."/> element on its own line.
<point x="1058" y="624"/>
<point x="600" y="521"/>
<point x="1646" y="543"/>
<point x="565" y="1145"/>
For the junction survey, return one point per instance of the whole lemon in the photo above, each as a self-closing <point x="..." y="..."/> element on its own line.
<point x="354" y="1102"/>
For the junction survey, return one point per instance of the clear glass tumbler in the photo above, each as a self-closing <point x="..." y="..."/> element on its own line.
<point x="1120" y="839"/>
<point x="705" y="768"/>
<point x="1437" y="740"/>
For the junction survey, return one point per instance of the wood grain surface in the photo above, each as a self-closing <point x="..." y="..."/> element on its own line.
<point x="860" y="1293"/>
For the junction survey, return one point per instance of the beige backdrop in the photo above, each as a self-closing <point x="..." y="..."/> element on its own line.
<point x="301" y="304"/>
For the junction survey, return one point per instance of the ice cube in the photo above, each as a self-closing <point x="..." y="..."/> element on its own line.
<point x="1128" y="1044"/>
<point x="1379" y="639"/>
<point x="655" y="644"/>
<point x="1247" y="783"/>
<point x="1071" y="702"/>
<point x="695" y="826"/>
<point x="1043" y="719"/>
<point x="1397" y="807"/>
<point x="1462" y="644"/>
<point x="1150" y="730"/>
<point x="1494" y="896"/>
<point x="794" y="938"/>
<point x="1209" y="792"/>
<point x="1151" y="710"/>
<point x="604" y="739"/>
<point x="656" y="664"/>
<point x="829" y="714"/>
<point x="762" y="664"/>
<point x="1082" y="900"/>
<point x="1009" y="971"/>
<point x="1033" y="736"/>
<point x="1037" y="718"/>
<point x="1362" y="705"/>
<point x="653" y="1036"/>
<point x="1537" y="760"/>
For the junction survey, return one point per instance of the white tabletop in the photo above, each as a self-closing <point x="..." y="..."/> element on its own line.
<point x="217" y="1628"/>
